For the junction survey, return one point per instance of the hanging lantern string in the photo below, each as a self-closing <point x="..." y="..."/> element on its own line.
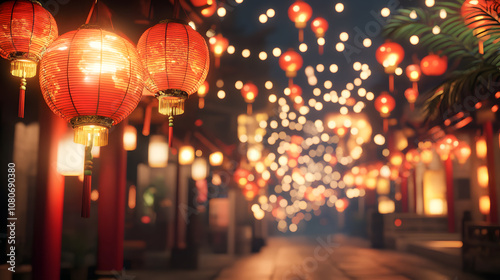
<point x="87" y="178"/>
<point x="176" y="9"/>
<point x="91" y="12"/>
<point x="22" y="91"/>
<point x="146" y="128"/>
<point x="391" y="83"/>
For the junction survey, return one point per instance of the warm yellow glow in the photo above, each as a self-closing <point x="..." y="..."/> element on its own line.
<point x="130" y="138"/>
<point x="263" y="18"/>
<point x="434" y="184"/>
<point x="385" y="12"/>
<point x="254" y="154"/>
<point x="384" y="186"/>
<point x="339" y="7"/>
<point x="426" y="156"/>
<point x="367" y="42"/>
<point x="436" y="206"/>
<point x="216" y="159"/>
<point x="484" y="205"/>
<point x="344" y="36"/>
<point x="221" y="11"/>
<point x="481" y="148"/>
<point x="221" y="94"/>
<point x="94" y="195"/>
<point x="386" y="205"/>
<point x="186" y="155"/>
<point x="340" y="47"/>
<point x="482" y="176"/>
<point x="414" y="39"/>
<point x="270" y="13"/>
<point x="157" y="151"/>
<point x="199" y="169"/>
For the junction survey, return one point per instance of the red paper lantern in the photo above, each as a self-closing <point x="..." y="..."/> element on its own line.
<point x="413" y="72"/>
<point x="390" y="55"/>
<point x="218" y="45"/>
<point x="445" y="146"/>
<point x="462" y="152"/>
<point x="209" y="11"/>
<point x="319" y="26"/>
<point x="384" y="104"/>
<point x="26" y="30"/>
<point x="475" y="19"/>
<point x="202" y="92"/>
<point x="176" y="60"/>
<point x="434" y="65"/>
<point x="411" y="95"/>
<point x="249" y="93"/>
<point x="290" y="61"/>
<point x="93" y="79"/>
<point x="300" y="12"/>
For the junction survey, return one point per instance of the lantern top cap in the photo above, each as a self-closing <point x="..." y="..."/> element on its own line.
<point x="174" y="20"/>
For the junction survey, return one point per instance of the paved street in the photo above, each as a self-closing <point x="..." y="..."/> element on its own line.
<point x="335" y="257"/>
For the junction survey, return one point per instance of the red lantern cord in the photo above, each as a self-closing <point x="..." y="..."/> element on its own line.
<point x="170" y="130"/>
<point x="146" y="128"/>
<point x="87" y="180"/>
<point x="249" y="109"/>
<point x="391" y="83"/>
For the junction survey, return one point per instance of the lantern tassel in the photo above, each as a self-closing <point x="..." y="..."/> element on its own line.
<point x="87" y="181"/>
<point x="391" y="83"/>
<point x="320" y="49"/>
<point x="22" y="93"/>
<point x="412" y="106"/>
<point x="249" y="109"/>
<point x="201" y="103"/>
<point x="170" y="130"/>
<point x="146" y="128"/>
<point x="217" y="62"/>
<point x="301" y="35"/>
<point x="290" y="83"/>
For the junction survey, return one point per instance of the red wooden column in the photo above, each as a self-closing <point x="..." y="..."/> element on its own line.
<point x="490" y="159"/>
<point x="49" y="200"/>
<point x="404" y="194"/>
<point x="111" y="204"/>
<point x="450" y="197"/>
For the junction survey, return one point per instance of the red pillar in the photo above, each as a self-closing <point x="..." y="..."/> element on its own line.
<point x="111" y="204"/>
<point x="49" y="200"/>
<point x="404" y="194"/>
<point x="450" y="197"/>
<point x="490" y="158"/>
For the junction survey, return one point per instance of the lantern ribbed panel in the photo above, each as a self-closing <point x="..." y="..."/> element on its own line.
<point x="175" y="57"/>
<point x="25" y="27"/>
<point x="91" y="72"/>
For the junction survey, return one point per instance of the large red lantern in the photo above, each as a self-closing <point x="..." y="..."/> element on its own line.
<point x="434" y="65"/>
<point x="290" y="61"/>
<point x="218" y="45"/>
<point x="300" y="12"/>
<point x="93" y="79"/>
<point x="249" y="91"/>
<point x="384" y="104"/>
<point x="26" y="30"/>
<point x="319" y="26"/>
<point x="390" y="55"/>
<point x="176" y="60"/>
<point x="472" y="14"/>
<point x="208" y="11"/>
<point x="445" y="146"/>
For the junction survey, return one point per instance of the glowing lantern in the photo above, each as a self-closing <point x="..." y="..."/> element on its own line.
<point x="199" y="169"/>
<point x="481" y="148"/>
<point x="413" y="156"/>
<point x="384" y="104"/>
<point x="216" y="159"/>
<point x="218" y="45"/>
<point x="436" y="206"/>
<point x="157" y="151"/>
<point x="290" y="61"/>
<point x="413" y="72"/>
<point x="411" y="95"/>
<point x="319" y="26"/>
<point x="202" y="92"/>
<point x="462" y="152"/>
<point x="295" y="91"/>
<point x="390" y="55"/>
<point x="482" y="176"/>
<point x="93" y="79"/>
<point x="434" y="65"/>
<point x="396" y="159"/>
<point x="241" y="176"/>
<point x="341" y="205"/>
<point x="249" y="93"/>
<point x="446" y="145"/>
<point x="300" y="12"/>
<point x="254" y="154"/>
<point x="186" y="155"/>
<point x="472" y="14"/>
<point x="176" y="60"/>
<point x="484" y="205"/>
<point x="26" y="30"/>
<point x="383" y="185"/>
<point x="130" y="138"/>
<point x="210" y="10"/>
<point x="295" y="147"/>
<point x="386" y="205"/>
